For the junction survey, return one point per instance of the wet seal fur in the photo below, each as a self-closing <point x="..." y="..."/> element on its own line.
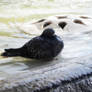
<point x="46" y="46"/>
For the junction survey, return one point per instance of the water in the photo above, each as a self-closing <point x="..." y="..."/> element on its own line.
<point x="22" y="11"/>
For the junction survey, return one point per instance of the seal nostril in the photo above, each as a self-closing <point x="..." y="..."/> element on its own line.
<point x="62" y="24"/>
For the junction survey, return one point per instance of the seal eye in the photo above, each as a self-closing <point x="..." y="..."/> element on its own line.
<point x="46" y="24"/>
<point x="62" y="24"/>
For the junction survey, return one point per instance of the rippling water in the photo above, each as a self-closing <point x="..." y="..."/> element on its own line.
<point x="16" y="11"/>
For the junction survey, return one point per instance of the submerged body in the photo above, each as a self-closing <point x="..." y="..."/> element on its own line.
<point x="46" y="46"/>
